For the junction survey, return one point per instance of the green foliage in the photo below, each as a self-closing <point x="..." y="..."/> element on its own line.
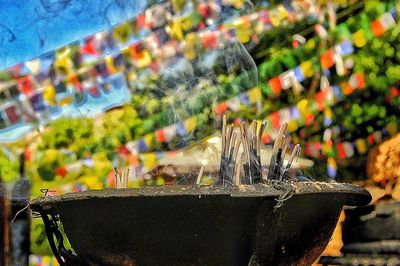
<point x="8" y="168"/>
<point x="75" y="134"/>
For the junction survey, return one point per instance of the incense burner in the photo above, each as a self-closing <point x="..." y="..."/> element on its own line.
<point x="277" y="223"/>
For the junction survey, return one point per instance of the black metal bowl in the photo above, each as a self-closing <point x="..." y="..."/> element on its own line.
<point x="277" y="223"/>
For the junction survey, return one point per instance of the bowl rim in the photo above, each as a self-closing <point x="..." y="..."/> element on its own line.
<point x="351" y="194"/>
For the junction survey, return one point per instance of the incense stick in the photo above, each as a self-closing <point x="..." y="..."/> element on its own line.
<point x="127" y="177"/>
<point x="116" y="177"/>
<point x="223" y="132"/>
<point x="200" y="175"/>
<point x="238" y="169"/>
<point x="245" y="142"/>
<point x="295" y="154"/>
<point x="232" y="146"/>
<point x="228" y="140"/>
<point x="260" y="134"/>
<point x="254" y="135"/>
<point x="236" y="149"/>
<point x="282" y="130"/>
<point x="223" y="158"/>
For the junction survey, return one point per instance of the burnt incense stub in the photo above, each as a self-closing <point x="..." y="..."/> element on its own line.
<point x="278" y="223"/>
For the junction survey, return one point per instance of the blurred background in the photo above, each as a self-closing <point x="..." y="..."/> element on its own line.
<point x="85" y="86"/>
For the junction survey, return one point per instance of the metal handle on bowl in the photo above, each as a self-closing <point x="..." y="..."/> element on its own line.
<point x="64" y="256"/>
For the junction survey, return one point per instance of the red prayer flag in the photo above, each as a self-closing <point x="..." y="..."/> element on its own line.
<point x="265" y="138"/>
<point x="319" y="98"/>
<point x="377" y="28"/>
<point x="276" y="85"/>
<point x="327" y="59"/>
<point x="360" y="80"/>
<point x="94" y="91"/>
<point x="309" y="119"/>
<point x="61" y="171"/>
<point x="371" y="139"/>
<point x="89" y="48"/>
<point x="205" y="10"/>
<point x="160" y="134"/>
<point x="25" y="85"/>
<point x="340" y="150"/>
<point x="12" y="114"/>
<point x="275" y="120"/>
<point x="123" y="150"/>
<point x="221" y="108"/>
<point x="141" y="20"/>
<point x="209" y="40"/>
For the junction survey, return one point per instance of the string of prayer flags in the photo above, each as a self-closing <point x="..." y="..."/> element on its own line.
<point x="67" y="58"/>
<point x="304" y="112"/>
<point x="346" y="149"/>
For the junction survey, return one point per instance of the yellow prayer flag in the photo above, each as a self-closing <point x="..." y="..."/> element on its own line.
<point x="46" y="260"/>
<point x="49" y="94"/>
<point x="189" y="49"/>
<point x="303" y="107"/>
<point x="190" y="124"/>
<point x="310" y="44"/>
<point x="254" y="95"/>
<point x="361" y="146"/>
<point x="328" y="112"/>
<point x="326" y="147"/>
<point x="121" y="33"/>
<point x="243" y="35"/>
<point x="282" y="12"/>
<point x="359" y="38"/>
<point x="174" y="30"/>
<point x="148" y="139"/>
<point x="110" y="64"/>
<point x="149" y="160"/>
<point x="63" y="65"/>
<point x="292" y="126"/>
<point x="186" y="23"/>
<point x="307" y="68"/>
<point x="242" y="27"/>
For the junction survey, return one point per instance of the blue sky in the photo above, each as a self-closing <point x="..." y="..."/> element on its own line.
<point x="29" y="28"/>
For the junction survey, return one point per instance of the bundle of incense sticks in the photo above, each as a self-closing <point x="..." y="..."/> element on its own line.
<point x="276" y="169"/>
<point x="121" y="181"/>
<point x="230" y="149"/>
<point x="251" y="160"/>
<point x="251" y="140"/>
